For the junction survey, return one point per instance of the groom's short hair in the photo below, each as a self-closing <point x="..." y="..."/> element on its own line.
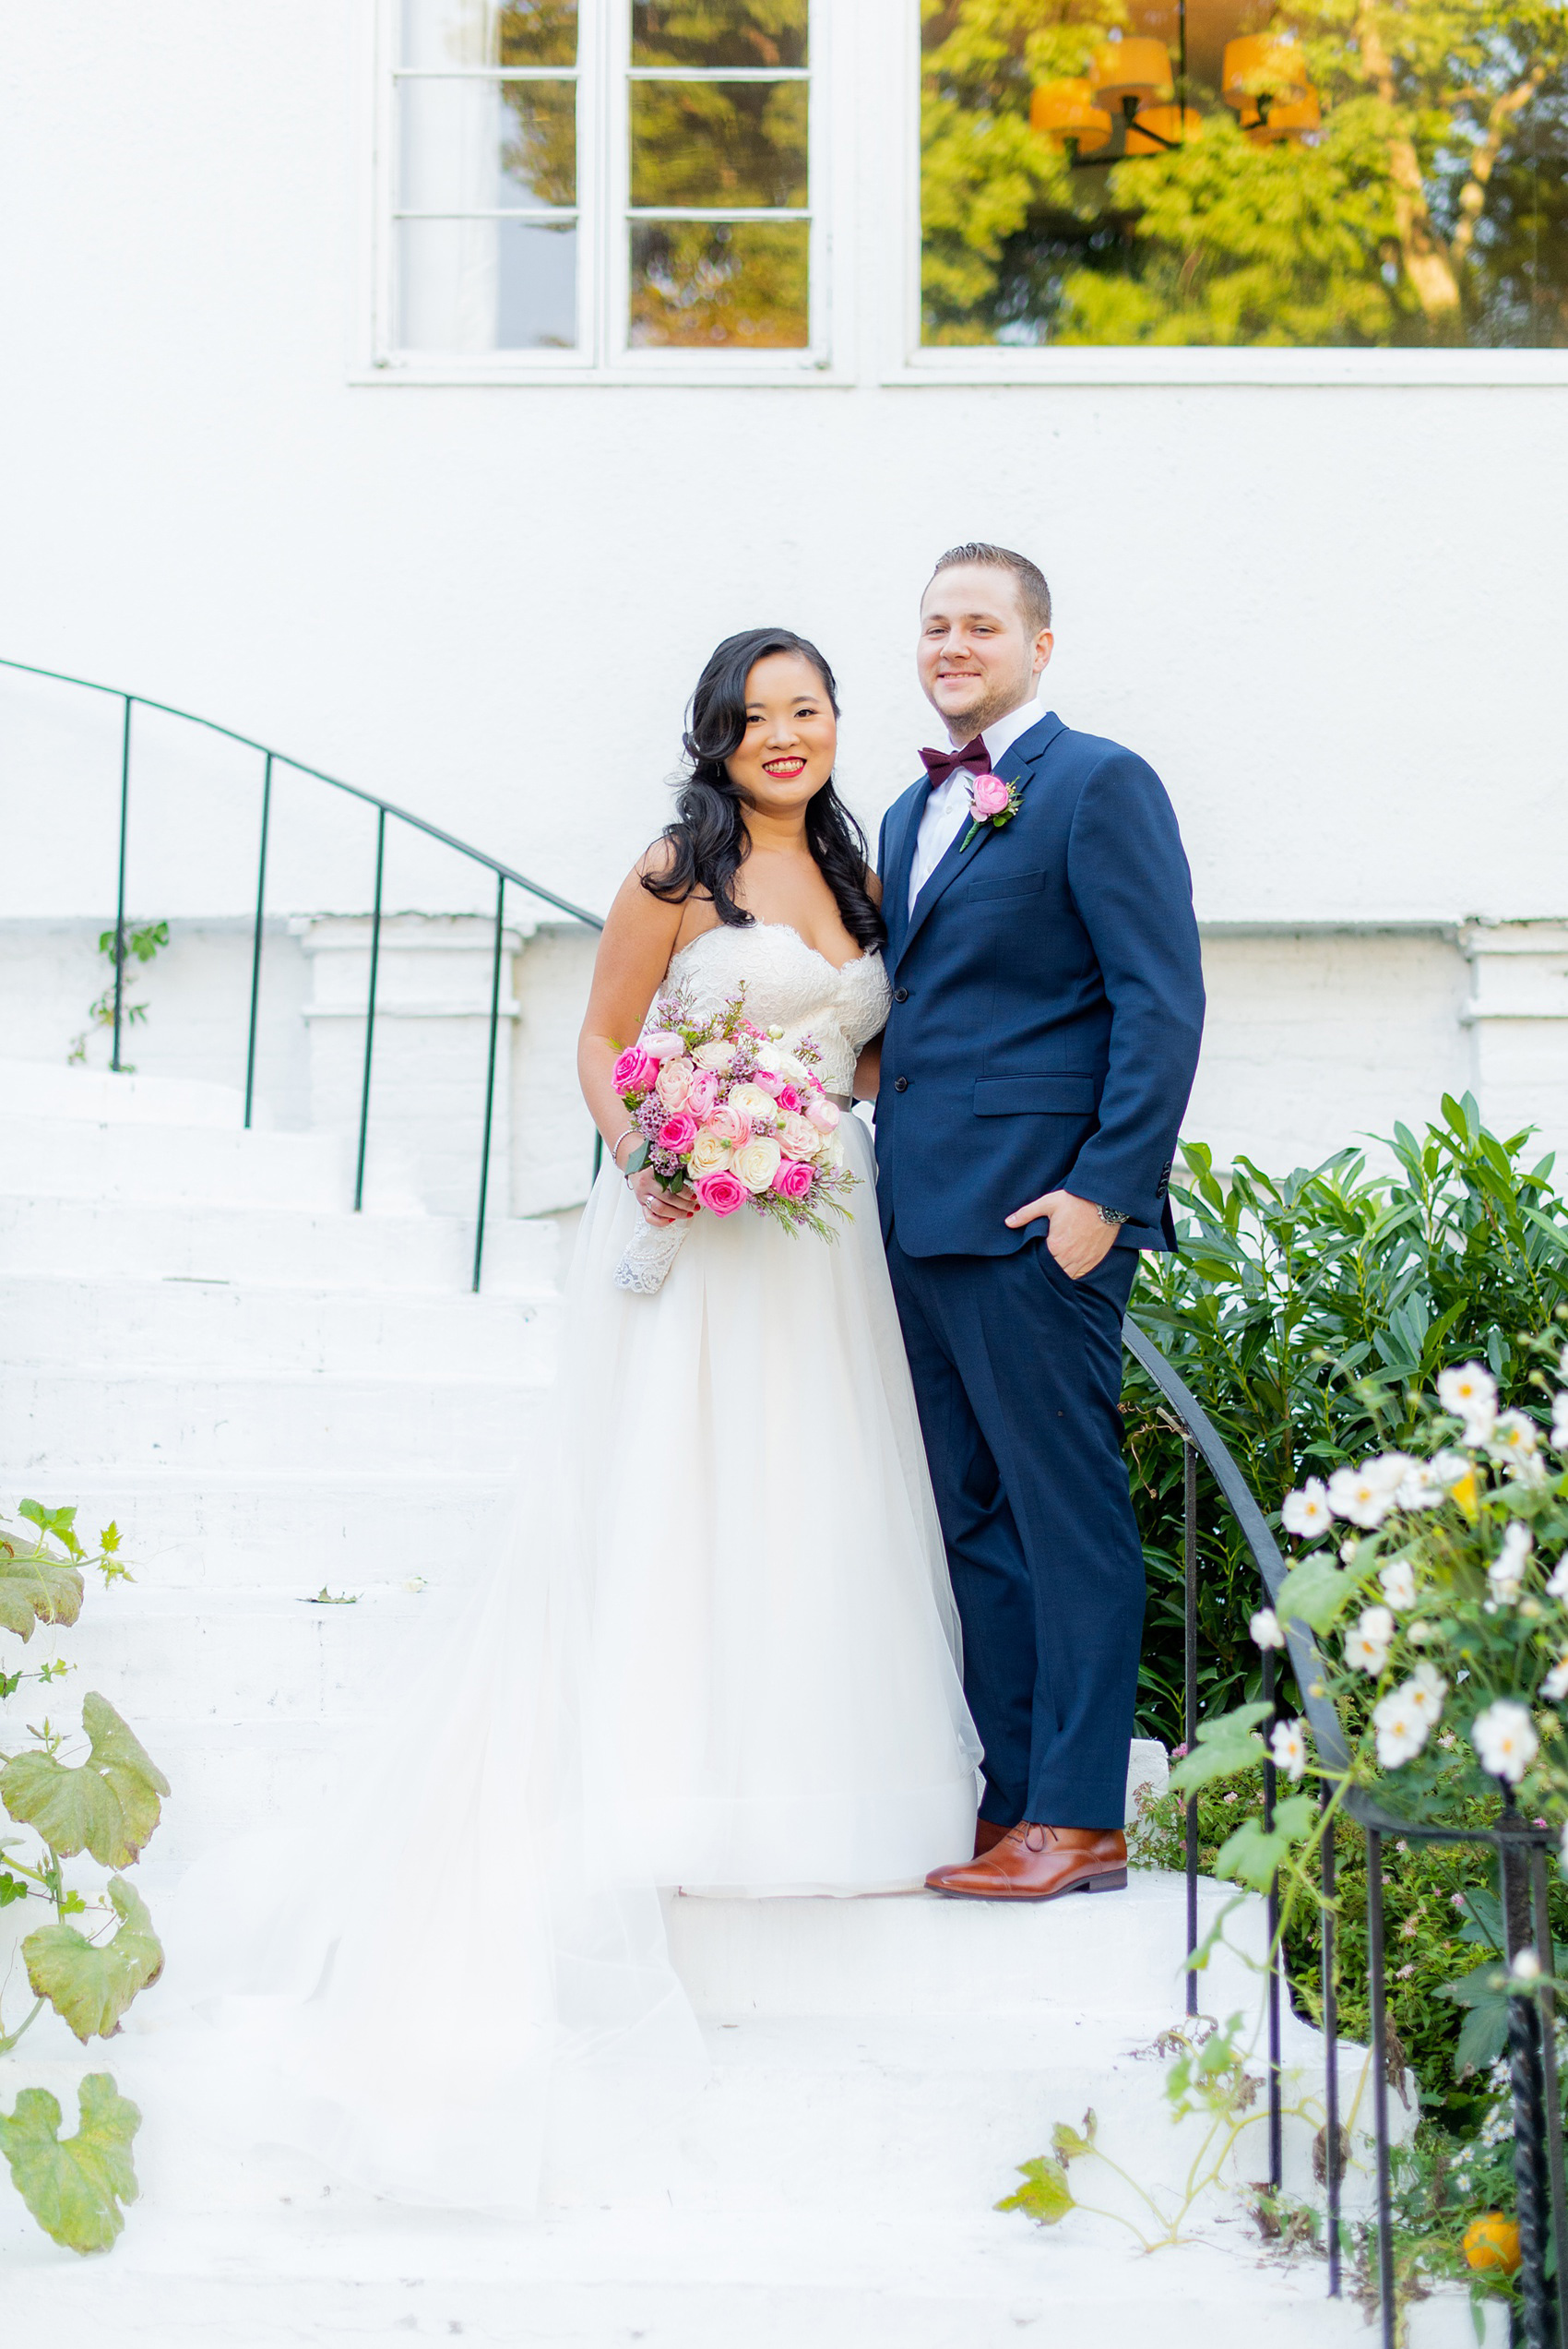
<point x="1034" y="596"/>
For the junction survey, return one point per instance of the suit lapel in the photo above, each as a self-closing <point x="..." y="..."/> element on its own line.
<point x="905" y="826"/>
<point x="1017" y="766"/>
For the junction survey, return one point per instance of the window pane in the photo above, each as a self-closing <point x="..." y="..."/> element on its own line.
<point x="719" y="32"/>
<point x="473" y="286"/>
<point x="1308" y="184"/>
<point x="486" y="146"/>
<point x="730" y="144"/>
<point x="480" y="32"/>
<point x="716" y="286"/>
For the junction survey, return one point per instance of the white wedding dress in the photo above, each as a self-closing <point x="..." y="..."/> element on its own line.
<point x="718" y="1651"/>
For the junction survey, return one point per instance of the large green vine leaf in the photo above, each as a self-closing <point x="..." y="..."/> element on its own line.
<point x="36" y="1587"/>
<point x="91" y="1984"/>
<point x="1045" y="2195"/>
<point x="108" y="1805"/>
<point x="74" y="2186"/>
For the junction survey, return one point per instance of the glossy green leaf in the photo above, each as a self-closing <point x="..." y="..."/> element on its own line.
<point x="90" y="1983"/>
<point x="1254" y="1854"/>
<point x="74" y="2186"/>
<point x="107" y="1806"/>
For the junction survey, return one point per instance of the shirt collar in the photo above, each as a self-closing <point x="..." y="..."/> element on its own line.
<point x="999" y="739"/>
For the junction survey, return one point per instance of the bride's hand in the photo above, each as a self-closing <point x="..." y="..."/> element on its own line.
<point x="660" y="1206"/>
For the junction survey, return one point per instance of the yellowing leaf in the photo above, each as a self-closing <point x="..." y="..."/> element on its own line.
<point x="91" y="1984"/>
<point x="36" y="1586"/>
<point x="1068" y="2144"/>
<point x="108" y="1805"/>
<point x="74" y="2186"/>
<point x="1045" y="2195"/>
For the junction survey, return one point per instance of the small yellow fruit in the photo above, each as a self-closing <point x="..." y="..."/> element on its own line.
<point x="1492" y="2244"/>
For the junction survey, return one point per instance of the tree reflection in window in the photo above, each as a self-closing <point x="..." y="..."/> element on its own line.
<point x="1417" y="198"/>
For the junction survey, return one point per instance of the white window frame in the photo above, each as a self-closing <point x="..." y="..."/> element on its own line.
<point x="604" y="353"/>
<point x="906" y="360"/>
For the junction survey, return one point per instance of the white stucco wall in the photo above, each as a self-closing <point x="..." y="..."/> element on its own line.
<point x="1329" y="614"/>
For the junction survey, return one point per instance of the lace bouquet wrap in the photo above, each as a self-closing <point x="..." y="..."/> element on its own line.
<point x="720" y="1105"/>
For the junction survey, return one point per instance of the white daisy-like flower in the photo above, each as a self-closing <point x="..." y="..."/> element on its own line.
<point x="1449" y="1468"/>
<point x="1401" y="1728"/>
<point x="1525" y="1966"/>
<point x="1266" y="1629"/>
<point x="1554" y="1688"/>
<point x="1399" y="1580"/>
<point x="1425" y="1688"/>
<point x="1306" y="1512"/>
<point x="1514" y="1433"/>
<point x="1347" y="1551"/>
<point x="1288" y="1744"/>
<point x="1505" y="1739"/>
<point x="1557" y="1581"/>
<point x="1560" y="1419"/>
<point x="1363" y="1494"/>
<point x="1470" y="1394"/>
<point x="1506" y="1573"/>
<point x="1366" y="1647"/>
<point x="1423" y="1489"/>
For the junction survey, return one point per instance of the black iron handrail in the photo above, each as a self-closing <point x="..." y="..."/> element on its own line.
<point x="506" y="875"/>
<point x="1521" y="1851"/>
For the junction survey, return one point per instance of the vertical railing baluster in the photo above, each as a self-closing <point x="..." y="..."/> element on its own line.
<point x="370" y="1005"/>
<point x="1190" y="1689"/>
<point x="256" y="942"/>
<point x="1554" y="2087"/>
<point x="1332" y="2159"/>
<point x="1531" y="2193"/>
<point x="1276" y="2100"/>
<point x="1378" y="1995"/>
<point x="120" y="891"/>
<point x="598" y="1153"/>
<point x="490" y="1078"/>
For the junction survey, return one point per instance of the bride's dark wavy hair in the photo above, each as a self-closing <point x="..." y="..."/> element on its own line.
<point x="708" y="839"/>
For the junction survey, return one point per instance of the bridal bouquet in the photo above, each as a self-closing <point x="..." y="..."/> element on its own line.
<point x="720" y="1105"/>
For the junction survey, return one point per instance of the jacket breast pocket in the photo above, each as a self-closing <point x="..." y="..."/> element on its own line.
<point x="1012" y="885"/>
<point x="1034" y="1097"/>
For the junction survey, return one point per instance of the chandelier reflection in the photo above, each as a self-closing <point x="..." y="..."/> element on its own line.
<point x="1132" y="100"/>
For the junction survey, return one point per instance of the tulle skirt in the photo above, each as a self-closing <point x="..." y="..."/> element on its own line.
<point x="716" y="1649"/>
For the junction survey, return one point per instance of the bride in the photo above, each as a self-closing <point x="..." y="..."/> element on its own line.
<point x="720" y="1653"/>
<point x="774" y="1697"/>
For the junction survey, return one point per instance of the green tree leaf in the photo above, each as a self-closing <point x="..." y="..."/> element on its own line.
<point x="1223" y="1746"/>
<point x="74" y="2186"/>
<point x="1317" y="1593"/>
<point x="1254" y="1854"/>
<point x="36" y="1587"/>
<point x="1045" y="2195"/>
<point x="108" y="1805"/>
<point x="91" y="1984"/>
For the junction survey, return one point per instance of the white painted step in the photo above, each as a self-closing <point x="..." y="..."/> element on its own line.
<point x="91" y="1240"/>
<point x="44" y="1088"/>
<point x="230" y="1327"/>
<point x="57" y="1423"/>
<point x="60" y="1158"/>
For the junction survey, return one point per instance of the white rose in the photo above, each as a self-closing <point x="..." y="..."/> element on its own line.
<point x="708" y="1153"/>
<point x="799" y="1135"/>
<point x="718" y="1056"/>
<point x="663" y="1044"/>
<point x="753" y="1102"/>
<point x="756" y="1162"/>
<point x="768" y="1057"/>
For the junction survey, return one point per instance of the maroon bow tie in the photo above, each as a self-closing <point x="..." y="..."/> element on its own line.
<point x="940" y="764"/>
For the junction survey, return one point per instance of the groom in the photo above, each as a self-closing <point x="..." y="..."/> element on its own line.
<point x="1047" y="1008"/>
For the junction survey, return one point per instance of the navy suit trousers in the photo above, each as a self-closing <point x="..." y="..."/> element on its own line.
<point x="1017" y="1374"/>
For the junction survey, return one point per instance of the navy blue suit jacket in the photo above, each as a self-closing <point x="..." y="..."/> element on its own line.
<point x="1047" y="1005"/>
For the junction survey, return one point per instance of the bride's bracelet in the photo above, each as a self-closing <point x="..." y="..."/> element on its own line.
<point x="616" y="1144"/>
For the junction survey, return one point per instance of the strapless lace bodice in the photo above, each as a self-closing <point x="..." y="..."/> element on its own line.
<point x="788" y="985"/>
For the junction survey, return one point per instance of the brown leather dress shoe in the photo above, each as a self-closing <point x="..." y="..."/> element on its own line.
<point x="1033" y="1861"/>
<point x="987" y="1834"/>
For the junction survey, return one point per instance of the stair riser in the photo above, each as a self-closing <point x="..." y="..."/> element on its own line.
<point x="57" y="1427"/>
<point x="85" y="1240"/>
<point x="53" y="1159"/>
<point x="189" y="1532"/>
<point x="178" y="1325"/>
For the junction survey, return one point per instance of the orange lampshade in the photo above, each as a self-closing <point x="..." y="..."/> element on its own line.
<point x="1260" y="64"/>
<point x="1286" y="118"/>
<point x="1136" y="70"/>
<point x="1061" y="111"/>
<point x="1154" y="130"/>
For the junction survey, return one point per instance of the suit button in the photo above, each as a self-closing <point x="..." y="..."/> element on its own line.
<point x="900" y="1084"/>
<point x="900" y="994"/>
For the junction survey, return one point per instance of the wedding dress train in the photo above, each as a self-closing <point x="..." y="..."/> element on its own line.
<point x="718" y="1651"/>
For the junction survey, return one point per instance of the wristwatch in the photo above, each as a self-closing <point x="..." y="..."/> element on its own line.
<point x="1113" y="1214"/>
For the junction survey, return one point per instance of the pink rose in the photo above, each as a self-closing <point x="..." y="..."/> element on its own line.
<point x="678" y="1133"/>
<point x="722" y="1192"/>
<point x="730" y="1124"/>
<point x="702" y="1092"/>
<point x="988" y="794"/>
<point x="823" y="1113"/>
<point x="788" y="1098"/>
<point x="664" y="1044"/>
<point x="794" y="1178"/>
<point x="769" y="1079"/>
<point x="673" y="1082"/>
<point x="634" y="1071"/>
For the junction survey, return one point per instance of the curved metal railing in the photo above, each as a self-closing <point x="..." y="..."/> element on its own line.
<point x="505" y="877"/>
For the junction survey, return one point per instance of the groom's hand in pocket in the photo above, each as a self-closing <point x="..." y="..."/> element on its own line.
<point x="1079" y="1237"/>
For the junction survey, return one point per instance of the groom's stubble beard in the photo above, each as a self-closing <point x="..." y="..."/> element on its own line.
<point x="996" y="705"/>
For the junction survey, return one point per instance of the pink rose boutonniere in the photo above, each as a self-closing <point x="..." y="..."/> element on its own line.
<point x="991" y="802"/>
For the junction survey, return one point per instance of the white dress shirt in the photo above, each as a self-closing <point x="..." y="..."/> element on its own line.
<point x="947" y="808"/>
